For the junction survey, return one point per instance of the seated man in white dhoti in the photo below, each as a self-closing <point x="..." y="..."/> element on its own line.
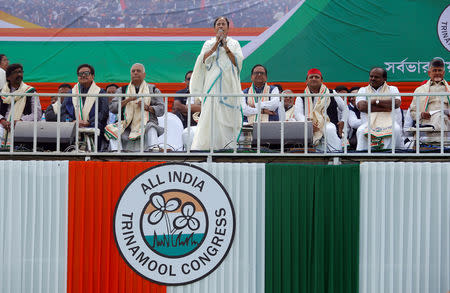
<point x="327" y="113"/>
<point x="132" y="116"/>
<point x="269" y="105"/>
<point x="381" y="124"/>
<point x="24" y="106"/>
<point x="430" y="106"/>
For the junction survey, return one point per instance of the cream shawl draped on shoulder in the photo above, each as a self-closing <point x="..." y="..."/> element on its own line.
<point x="380" y="122"/>
<point x="290" y="114"/>
<point x="253" y="101"/>
<point x="316" y="112"/>
<point x="132" y="114"/>
<point x="19" y="105"/>
<point x="82" y="110"/>
<point x="423" y="101"/>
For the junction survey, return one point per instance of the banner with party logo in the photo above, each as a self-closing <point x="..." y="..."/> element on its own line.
<point x="344" y="39"/>
<point x="223" y="227"/>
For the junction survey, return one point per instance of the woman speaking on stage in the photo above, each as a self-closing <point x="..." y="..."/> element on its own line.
<point x="217" y="71"/>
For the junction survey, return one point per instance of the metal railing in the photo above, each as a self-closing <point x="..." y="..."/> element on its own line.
<point x="233" y="148"/>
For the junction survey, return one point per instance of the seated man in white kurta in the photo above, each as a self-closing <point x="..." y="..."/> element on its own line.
<point x="131" y="114"/>
<point x="430" y="107"/>
<point x="326" y="113"/>
<point x="380" y="117"/>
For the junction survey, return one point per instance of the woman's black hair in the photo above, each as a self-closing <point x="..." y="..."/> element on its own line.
<point x="215" y="21"/>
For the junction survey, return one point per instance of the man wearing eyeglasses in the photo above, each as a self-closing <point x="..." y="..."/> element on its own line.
<point x="24" y="106"/>
<point x="269" y="105"/>
<point x="82" y="109"/>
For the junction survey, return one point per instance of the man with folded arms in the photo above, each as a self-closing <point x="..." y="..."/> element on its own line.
<point x="24" y="106"/>
<point x="269" y="105"/>
<point x="381" y="126"/>
<point x="430" y="107"/>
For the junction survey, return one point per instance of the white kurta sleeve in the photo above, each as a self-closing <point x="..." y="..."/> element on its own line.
<point x="299" y="110"/>
<point x="360" y="98"/>
<point x="273" y="103"/>
<point x="342" y="108"/>
<point x="246" y="109"/>
<point x="395" y="90"/>
<point x="2" y="78"/>
<point x="353" y="121"/>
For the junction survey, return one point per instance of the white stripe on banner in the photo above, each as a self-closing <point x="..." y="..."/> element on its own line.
<point x="404" y="228"/>
<point x="33" y="226"/>
<point x="243" y="268"/>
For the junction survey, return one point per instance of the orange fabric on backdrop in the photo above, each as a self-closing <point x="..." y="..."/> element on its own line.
<point x="94" y="263"/>
<point x="296" y="87"/>
<point x="52" y="87"/>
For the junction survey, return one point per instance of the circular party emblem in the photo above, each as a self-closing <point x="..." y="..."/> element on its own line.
<point x="443" y="27"/>
<point x="174" y="224"/>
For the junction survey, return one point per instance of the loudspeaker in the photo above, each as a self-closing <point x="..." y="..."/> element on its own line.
<point x="46" y="132"/>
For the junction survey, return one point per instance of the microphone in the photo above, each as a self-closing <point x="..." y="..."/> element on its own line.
<point x="221" y="35"/>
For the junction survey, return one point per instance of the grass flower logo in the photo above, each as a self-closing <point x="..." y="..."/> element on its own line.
<point x="161" y="209"/>
<point x="174" y="224"/>
<point x="186" y="218"/>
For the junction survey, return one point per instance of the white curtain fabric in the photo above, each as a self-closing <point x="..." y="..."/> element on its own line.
<point x="243" y="268"/>
<point x="33" y="226"/>
<point x="404" y="227"/>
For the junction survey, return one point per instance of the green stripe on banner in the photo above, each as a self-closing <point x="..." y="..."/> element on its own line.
<point x="312" y="228"/>
<point x="58" y="61"/>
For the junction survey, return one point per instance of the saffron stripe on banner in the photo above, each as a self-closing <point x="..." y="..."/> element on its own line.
<point x="94" y="262"/>
<point x="33" y="226"/>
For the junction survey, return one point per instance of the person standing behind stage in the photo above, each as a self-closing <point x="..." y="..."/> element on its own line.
<point x="217" y="71"/>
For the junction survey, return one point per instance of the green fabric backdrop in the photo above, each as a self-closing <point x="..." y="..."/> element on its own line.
<point x="312" y="228"/>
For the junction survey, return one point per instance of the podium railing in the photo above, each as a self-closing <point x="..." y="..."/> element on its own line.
<point x="213" y="105"/>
